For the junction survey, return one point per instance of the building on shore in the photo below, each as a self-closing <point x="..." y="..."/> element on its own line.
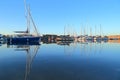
<point x="64" y="38"/>
<point x="114" y="37"/>
<point x="49" y="38"/>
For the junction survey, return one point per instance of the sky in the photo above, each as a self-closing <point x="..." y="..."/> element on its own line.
<point x="53" y="16"/>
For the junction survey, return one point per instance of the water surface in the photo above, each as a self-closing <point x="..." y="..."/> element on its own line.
<point x="74" y="61"/>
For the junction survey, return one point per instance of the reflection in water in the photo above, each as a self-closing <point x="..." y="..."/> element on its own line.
<point x="84" y="47"/>
<point x="70" y="49"/>
<point x="30" y="57"/>
<point x="31" y="53"/>
<point x="87" y="61"/>
<point x="0" y="44"/>
<point x="64" y="43"/>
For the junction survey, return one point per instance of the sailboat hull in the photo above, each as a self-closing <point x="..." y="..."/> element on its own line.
<point x="24" y="39"/>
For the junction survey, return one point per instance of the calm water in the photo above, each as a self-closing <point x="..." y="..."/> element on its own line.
<point x="76" y="61"/>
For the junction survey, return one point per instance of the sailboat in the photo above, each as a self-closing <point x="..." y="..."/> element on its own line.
<point x="26" y="36"/>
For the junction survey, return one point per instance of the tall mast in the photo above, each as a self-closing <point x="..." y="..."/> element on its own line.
<point x="84" y="31"/>
<point x="27" y="17"/>
<point x="25" y="7"/>
<point x="28" y="23"/>
<point x="81" y="29"/>
<point x="90" y="31"/>
<point x="68" y="29"/>
<point x="95" y="30"/>
<point x="33" y="21"/>
<point x="64" y="29"/>
<point x="100" y="29"/>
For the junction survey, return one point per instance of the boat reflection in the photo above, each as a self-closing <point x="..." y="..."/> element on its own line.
<point x="70" y="42"/>
<point x="64" y="43"/>
<point x="2" y="43"/>
<point x="29" y="60"/>
<point x="31" y="51"/>
<point x="114" y="41"/>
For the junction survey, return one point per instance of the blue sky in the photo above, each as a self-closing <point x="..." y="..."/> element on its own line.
<point x="51" y="16"/>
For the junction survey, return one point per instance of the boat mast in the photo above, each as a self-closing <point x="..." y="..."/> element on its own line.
<point x="90" y="31"/>
<point x="100" y="30"/>
<point x="81" y="29"/>
<point x="27" y="18"/>
<point x="34" y="24"/>
<point x="64" y="29"/>
<point x="84" y="32"/>
<point x="95" y="30"/>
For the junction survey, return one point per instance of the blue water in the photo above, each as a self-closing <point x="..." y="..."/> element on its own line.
<point x="76" y="61"/>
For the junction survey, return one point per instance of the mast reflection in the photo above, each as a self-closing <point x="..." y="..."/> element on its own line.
<point x="31" y="51"/>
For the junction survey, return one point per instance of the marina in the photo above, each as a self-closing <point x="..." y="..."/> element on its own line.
<point x="27" y="37"/>
<point x="59" y="40"/>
